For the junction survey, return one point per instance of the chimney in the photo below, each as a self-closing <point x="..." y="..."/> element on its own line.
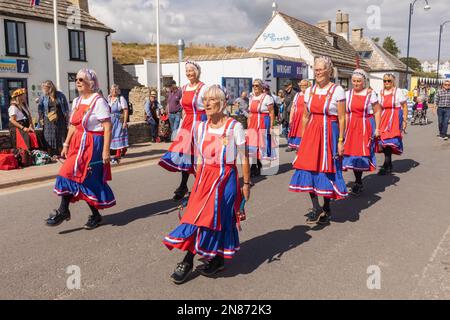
<point x="82" y="4"/>
<point x="325" y="25"/>
<point x="357" y="35"/>
<point x="343" y="24"/>
<point x="274" y="9"/>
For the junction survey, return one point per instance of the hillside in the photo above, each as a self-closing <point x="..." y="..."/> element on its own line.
<point x="131" y="53"/>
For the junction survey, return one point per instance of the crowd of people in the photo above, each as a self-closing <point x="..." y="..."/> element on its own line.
<point x="330" y="129"/>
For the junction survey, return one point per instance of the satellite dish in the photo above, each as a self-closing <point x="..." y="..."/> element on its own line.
<point x="47" y="45"/>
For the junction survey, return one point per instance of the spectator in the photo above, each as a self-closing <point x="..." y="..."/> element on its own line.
<point x="242" y="104"/>
<point x="288" y="99"/>
<point x="174" y="96"/>
<point x="152" y="111"/>
<point x="443" y="109"/>
<point x="54" y="113"/>
<point x="119" y="116"/>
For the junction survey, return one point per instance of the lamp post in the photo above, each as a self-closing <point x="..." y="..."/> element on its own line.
<point x="158" y="57"/>
<point x="181" y="47"/>
<point x="411" y="12"/>
<point x="441" y="28"/>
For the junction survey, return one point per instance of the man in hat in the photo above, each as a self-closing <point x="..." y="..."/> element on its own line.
<point x="152" y="111"/>
<point x="289" y="95"/>
<point x="173" y="108"/>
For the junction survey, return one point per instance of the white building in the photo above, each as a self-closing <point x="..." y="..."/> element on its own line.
<point x="27" y="48"/>
<point x="236" y="71"/>
<point x="431" y="66"/>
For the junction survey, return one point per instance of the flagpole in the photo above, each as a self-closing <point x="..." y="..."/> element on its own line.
<point x="158" y="58"/>
<point x="55" y="23"/>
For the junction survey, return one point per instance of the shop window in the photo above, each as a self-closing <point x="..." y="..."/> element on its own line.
<point x="15" y="38"/>
<point x="73" y="93"/>
<point x="77" y="45"/>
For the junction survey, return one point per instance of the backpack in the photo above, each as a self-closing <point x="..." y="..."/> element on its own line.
<point x="24" y="158"/>
<point x="8" y="160"/>
<point x="40" y="158"/>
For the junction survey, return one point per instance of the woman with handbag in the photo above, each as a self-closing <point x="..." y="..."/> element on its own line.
<point x="54" y="116"/>
<point x="21" y="122"/>
<point x="119" y="117"/>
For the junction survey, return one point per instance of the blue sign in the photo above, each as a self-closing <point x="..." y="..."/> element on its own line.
<point x="288" y="69"/>
<point x="22" y="66"/>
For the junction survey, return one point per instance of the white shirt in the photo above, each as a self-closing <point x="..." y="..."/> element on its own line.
<point x="399" y="97"/>
<point x="268" y="100"/>
<point x="201" y="94"/>
<point x="373" y="99"/>
<point x="238" y="133"/>
<point x="100" y="113"/>
<point x="15" y="111"/>
<point x="338" y="96"/>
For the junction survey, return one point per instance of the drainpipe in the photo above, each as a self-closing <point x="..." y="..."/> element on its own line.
<point x="107" y="60"/>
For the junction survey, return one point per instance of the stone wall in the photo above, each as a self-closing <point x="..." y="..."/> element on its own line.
<point x="138" y="132"/>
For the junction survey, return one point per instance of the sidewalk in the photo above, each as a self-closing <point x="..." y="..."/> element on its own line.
<point x="137" y="153"/>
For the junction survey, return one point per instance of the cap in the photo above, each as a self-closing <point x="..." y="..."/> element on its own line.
<point x="153" y="93"/>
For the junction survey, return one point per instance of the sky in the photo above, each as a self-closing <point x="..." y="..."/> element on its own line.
<point x="239" y="22"/>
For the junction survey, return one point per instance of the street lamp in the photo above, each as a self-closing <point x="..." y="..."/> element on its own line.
<point x="181" y="47"/>
<point x="439" y="50"/>
<point x="411" y="12"/>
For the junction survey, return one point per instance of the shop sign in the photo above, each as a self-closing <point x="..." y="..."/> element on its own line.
<point x="288" y="69"/>
<point x="14" y="66"/>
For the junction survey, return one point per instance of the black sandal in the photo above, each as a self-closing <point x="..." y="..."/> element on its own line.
<point x="57" y="218"/>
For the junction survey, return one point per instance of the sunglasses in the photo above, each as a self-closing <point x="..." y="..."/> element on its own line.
<point x="79" y="80"/>
<point x="387" y="81"/>
<point x="256" y="86"/>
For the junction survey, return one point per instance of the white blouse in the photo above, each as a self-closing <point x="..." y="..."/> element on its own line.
<point x="338" y="96"/>
<point x="373" y="99"/>
<point x="101" y="112"/>
<point x="15" y="111"/>
<point x="399" y="97"/>
<point x="268" y="100"/>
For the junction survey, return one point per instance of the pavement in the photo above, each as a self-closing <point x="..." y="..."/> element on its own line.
<point x="136" y="153"/>
<point x="392" y="242"/>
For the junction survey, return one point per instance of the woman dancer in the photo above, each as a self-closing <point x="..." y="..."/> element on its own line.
<point x="296" y="117"/>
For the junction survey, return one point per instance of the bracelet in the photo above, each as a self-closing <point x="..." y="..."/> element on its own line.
<point x="66" y="145"/>
<point x="247" y="183"/>
<point x="341" y="140"/>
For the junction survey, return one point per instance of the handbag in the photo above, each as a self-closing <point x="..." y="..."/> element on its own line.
<point x="52" y="116"/>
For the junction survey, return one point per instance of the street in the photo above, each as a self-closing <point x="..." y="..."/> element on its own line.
<point x="401" y="225"/>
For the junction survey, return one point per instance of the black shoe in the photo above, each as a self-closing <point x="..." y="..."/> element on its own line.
<point x="325" y="218"/>
<point x="215" y="265"/>
<point x="357" y="189"/>
<point x="93" y="222"/>
<point x="382" y="172"/>
<point x="57" y="218"/>
<point x="180" y="193"/>
<point x="314" y="216"/>
<point x="181" y="272"/>
<point x="289" y="149"/>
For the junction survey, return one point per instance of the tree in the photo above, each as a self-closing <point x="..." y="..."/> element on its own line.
<point x="413" y="63"/>
<point x="376" y="39"/>
<point x="391" y="46"/>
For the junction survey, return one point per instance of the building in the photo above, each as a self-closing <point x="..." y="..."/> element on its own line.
<point x="235" y="71"/>
<point x="27" y="48"/>
<point x="431" y="66"/>
<point x="288" y="36"/>
<point x="379" y="60"/>
<point x="124" y="80"/>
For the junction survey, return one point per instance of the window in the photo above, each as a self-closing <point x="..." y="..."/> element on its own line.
<point x="16" y="39"/>
<point x="365" y="54"/>
<point x="73" y="93"/>
<point x="77" y="45"/>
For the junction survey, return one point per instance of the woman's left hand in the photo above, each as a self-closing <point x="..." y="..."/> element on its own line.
<point x="341" y="149"/>
<point x="125" y="125"/>
<point x="405" y="124"/>
<point x="246" y="191"/>
<point x="377" y="133"/>
<point x="106" y="157"/>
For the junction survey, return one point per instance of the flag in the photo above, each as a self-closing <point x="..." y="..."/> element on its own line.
<point x="34" y="3"/>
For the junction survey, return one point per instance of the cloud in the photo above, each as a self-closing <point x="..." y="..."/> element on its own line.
<point x="237" y="22"/>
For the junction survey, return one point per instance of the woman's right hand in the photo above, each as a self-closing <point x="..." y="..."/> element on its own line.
<point x="64" y="152"/>
<point x="246" y="192"/>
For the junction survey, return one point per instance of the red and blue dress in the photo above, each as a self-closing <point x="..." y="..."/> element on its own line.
<point x="83" y="174"/>
<point x="296" y="126"/>
<point x="261" y="143"/>
<point x="209" y="224"/>
<point x="391" y="121"/>
<point x="180" y="156"/>
<point x="359" y="145"/>
<point x="318" y="168"/>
